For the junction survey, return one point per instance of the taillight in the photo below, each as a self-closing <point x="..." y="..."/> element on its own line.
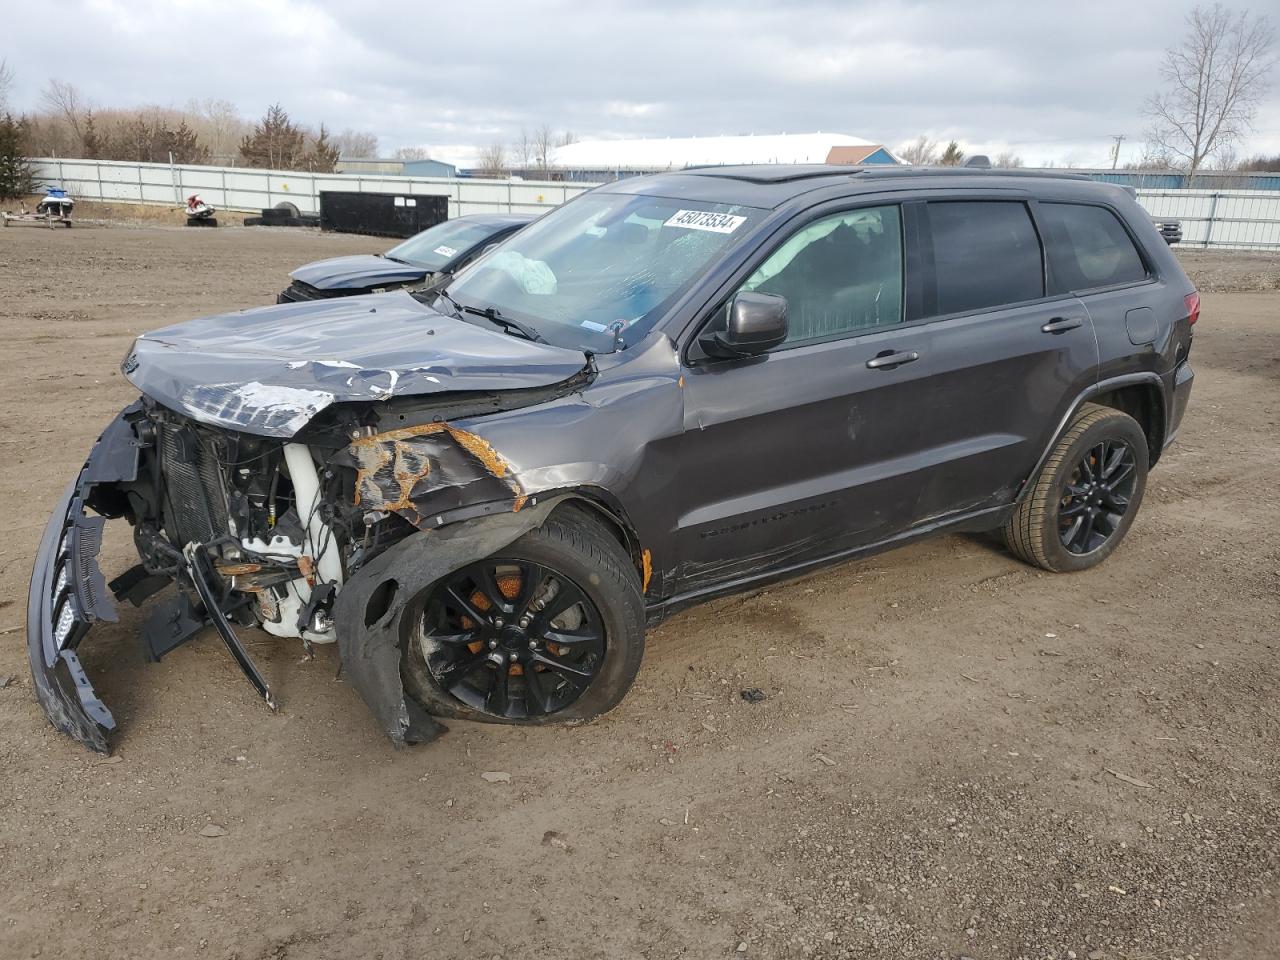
<point x="1192" y="300"/>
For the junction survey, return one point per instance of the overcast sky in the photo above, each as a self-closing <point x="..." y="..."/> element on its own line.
<point x="1053" y="82"/>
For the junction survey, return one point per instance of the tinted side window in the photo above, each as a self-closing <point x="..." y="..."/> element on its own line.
<point x="839" y="274"/>
<point x="1089" y="247"/>
<point x="985" y="254"/>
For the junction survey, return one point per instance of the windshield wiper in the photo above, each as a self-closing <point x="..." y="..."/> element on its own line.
<point x="493" y="315"/>
<point x="444" y="292"/>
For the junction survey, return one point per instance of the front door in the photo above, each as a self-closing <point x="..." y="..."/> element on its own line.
<point x="809" y="449"/>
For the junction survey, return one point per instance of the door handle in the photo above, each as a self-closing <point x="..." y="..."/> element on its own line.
<point x="889" y="359"/>
<point x="1062" y="324"/>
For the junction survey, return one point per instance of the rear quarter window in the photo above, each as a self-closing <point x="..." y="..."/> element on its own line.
<point x="985" y="254"/>
<point x="1089" y="248"/>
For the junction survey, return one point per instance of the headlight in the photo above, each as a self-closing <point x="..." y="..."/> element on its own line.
<point x="66" y="622"/>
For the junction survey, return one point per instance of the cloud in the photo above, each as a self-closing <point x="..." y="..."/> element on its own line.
<point x="1046" y="81"/>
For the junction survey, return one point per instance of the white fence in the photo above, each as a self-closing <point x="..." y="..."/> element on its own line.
<point x="241" y="188"/>
<point x="1231" y="219"/>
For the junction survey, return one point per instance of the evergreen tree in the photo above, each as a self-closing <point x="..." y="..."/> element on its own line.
<point x="953" y="156"/>
<point x="93" y="144"/>
<point x="185" y="145"/>
<point x="16" y="175"/>
<point x="276" y="142"/>
<point x="324" y="154"/>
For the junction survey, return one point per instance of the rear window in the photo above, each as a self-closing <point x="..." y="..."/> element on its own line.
<point x="1089" y="248"/>
<point x="437" y="247"/>
<point x="985" y="254"/>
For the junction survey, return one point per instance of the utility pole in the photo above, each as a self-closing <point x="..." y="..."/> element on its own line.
<point x="1115" y="151"/>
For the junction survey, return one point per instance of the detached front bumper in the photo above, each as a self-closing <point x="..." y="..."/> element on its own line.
<point x="68" y="594"/>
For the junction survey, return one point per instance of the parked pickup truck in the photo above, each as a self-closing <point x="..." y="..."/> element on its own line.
<point x="1171" y="230"/>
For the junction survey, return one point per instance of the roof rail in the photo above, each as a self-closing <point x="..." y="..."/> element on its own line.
<point x="885" y="171"/>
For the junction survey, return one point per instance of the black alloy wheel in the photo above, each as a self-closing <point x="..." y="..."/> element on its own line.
<point x="1097" y="496"/>
<point x="511" y="638"/>
<point x="1086" y="495"/>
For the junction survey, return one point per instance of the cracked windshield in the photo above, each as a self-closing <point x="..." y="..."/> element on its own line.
<point x="602" y="267"/>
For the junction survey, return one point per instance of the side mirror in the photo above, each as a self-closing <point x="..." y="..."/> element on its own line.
<point x="754" y="323"/>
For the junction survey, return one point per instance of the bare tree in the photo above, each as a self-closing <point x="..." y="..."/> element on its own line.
<point x="493" y="160"/>
<point x="6" y="84"/>
<point x="219" y="125"/>
<point x="66" y="103"/>
<point x="536" y="150"/>
<point x="523" y="150"/>
<point x="412" y="153"/>
<point x="544" y="142"/>
<point x="1150" y="160"/>
<point x="356" y="144"/>
<point x="1007" y="160"/>
<point x="1263" y="163"/>
<point x="920" y="152"/>
<point x="1215" y="78"/>
<point x="1226" y="158"/>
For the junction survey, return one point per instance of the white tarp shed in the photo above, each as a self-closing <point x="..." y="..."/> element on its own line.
<point x="674" y="153"/>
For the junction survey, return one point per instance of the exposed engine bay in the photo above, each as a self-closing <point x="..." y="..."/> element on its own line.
<point x="258" y="531"/>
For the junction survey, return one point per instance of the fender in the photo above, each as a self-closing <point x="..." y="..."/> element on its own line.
<point x="368" y="610"/>
<point x="1102" y="386"/>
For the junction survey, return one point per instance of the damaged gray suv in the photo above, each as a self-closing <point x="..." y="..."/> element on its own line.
<point x="671" y="388"/>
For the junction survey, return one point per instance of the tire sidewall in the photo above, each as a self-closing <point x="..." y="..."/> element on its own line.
<point x="1118" y="426"/>
<point x="621" y="612"/>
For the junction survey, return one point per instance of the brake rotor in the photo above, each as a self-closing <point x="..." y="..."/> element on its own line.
<point x="509" y="585"/>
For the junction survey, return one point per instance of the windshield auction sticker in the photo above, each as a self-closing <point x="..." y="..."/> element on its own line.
<point x="445" y="251"/>
<point x="705" y="220"/>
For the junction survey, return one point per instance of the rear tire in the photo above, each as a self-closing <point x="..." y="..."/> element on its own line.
<point x="1086" y="495"/>
<point x="573" y="546"/>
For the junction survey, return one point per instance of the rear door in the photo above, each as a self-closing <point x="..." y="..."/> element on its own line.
<point x="1008" y="357"/>
<point x="1093" y="256"/>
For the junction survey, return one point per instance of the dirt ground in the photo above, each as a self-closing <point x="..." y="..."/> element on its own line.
<point x="959" y="756"/>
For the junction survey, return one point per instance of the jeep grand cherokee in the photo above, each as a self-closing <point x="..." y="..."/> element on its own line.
<point x="671" y="388"/>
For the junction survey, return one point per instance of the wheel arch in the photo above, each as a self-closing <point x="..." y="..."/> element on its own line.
<point x="595" y="501"/>
<point x="1140" y="395"/>
<point x="604" y="507"/>
<point x="1144" y="401"/>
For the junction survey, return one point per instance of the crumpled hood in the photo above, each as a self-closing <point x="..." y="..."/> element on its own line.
<point x="270" y="370"/>
<point x="358" y="273"/>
